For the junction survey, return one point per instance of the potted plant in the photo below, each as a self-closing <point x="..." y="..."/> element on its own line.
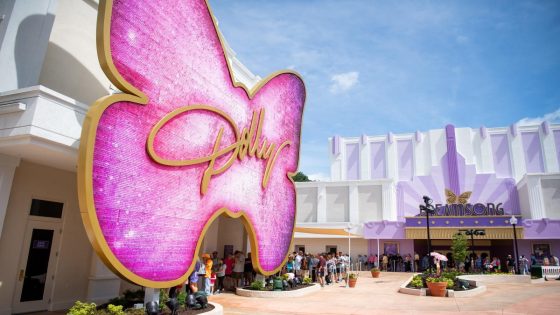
<point x="352" y="278"/>
<point x="437" y="286"/>
<point x="375" y="272"/>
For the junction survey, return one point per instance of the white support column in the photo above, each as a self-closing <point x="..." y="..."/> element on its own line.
<point x="392" y="160"/>
<point x="353" y="196"/>
<point x="535" y="198"/>
<point x="517" y="155"/>
<point x="321" y="204"/>
<point x="103" y="285"/>
<point x="365" y="159"/>
<point x="8" y="166"/>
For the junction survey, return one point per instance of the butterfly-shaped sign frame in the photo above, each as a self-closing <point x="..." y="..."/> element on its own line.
<point x="132" y="94"/>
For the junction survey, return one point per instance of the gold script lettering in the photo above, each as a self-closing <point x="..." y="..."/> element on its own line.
<point x="248" y="143"/>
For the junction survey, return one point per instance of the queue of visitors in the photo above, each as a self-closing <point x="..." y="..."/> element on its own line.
<point x="213" y="275"/>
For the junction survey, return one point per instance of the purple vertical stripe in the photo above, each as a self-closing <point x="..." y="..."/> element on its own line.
<point x="377" y="154"/>
<point x="452" y="159"/>
<point x="557" y="144"/>
<point x="533" y="152"/>
<point x="404" y="153"/>
<point x="353" y="161"/>
<point x="500" y="153"/>
<point x="336" y="145"/>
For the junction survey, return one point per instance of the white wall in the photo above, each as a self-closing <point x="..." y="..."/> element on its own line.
<point x="73" y="263"/>
<point x="358" y="246"/>
<point x="71" y="66"/>
<point x="24" y="33"/>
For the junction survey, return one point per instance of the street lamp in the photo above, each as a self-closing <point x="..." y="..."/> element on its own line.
<point x="513" y="221"/>
<point x="428" y="209"/>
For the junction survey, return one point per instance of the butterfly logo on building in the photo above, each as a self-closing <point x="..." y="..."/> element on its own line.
<point x="183" y="144"/>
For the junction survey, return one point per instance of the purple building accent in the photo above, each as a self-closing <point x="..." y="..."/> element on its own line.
<point x="545" y="127"/>
<point x="556" y="134"/>
<point x="483" y="132"/>
<point x="390" y="137"/>
<point x="533" y="152"/>
<point x="378" y="165"/>
<point x="336" y="145"/>
<point x="453" y="173"/>
<point x="404" y="154"/>
<point x="384" y="229"/>
<point x="513" y="130"/>
<point x="353" y="161"/>
<point x="467" y="221"/>
<point x="363" y="139"/>
<point x="501" y="155"/>
<point x="541" y="229"/>
<point x="418" y="136"/>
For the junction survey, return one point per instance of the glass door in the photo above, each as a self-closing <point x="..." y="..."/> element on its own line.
<point x="37" y="266"/>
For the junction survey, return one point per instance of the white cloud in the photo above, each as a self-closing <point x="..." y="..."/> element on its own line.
<point x="320" y="177"/>
<point x="553" y="117"/>
<point x="343" y="82"/>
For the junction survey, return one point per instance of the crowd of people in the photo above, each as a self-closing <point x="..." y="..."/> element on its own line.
<point x="214" y="275"/>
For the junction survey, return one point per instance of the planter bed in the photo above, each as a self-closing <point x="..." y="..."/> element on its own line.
<point x="300" y="290"/>
<point x="457" y="291"/>
<point x="212" y="309"/>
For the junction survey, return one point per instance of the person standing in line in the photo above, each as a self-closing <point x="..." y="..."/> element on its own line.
<point x="220" y="276"/>
<point x="510" y="264"/>
<point x="248" y="270"/>
<point x="385" y="261"/>
<point x="524" y="264"/>
<point x="321" y="269"/>
<point x="208" y="273"/>
<point x="555" y="261"/>
<point x="230" y="263"/>
<point x="238" y="268"/>
<point x="297" y="263"/>
<point x="416" y="261"/>
<point x="314" y="268"/>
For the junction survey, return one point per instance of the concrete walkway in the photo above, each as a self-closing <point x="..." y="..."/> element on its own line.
<point x="380" y="296"/>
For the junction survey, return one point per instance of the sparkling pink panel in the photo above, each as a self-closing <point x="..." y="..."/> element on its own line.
<point x="152" y="215"/>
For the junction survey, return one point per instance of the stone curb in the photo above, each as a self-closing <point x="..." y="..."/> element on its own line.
<point x="278" y="294"/>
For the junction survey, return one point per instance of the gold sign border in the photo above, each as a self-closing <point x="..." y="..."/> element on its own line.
<point x="492" y="233"/>
<point x="87" y="142"/>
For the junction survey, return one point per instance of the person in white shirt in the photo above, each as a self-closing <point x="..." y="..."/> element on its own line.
<point x="297" y="263"/>
<point x="238" y="268"/>
<point x="220" y="276"/>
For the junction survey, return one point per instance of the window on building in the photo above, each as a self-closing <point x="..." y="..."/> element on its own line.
<point x="533" y="152"/>
<point x="45" y="208"/>
<point x="353" y="161"/>
<point x="377" y="155"/>
<point x="331" y="249"/>
<point x="405" y="159"/>
<point x="501" y="155"/>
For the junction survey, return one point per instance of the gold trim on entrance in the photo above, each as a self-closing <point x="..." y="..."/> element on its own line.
<point x="341" y="232"/>
<point x="495" y="233"/>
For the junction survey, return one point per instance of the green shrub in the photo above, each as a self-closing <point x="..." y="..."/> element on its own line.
<point x="115" y="309"/>
<point x="181" y="297"/>
<point x="285" y="276"/>
<point x="417" y="282"/>
<point x="257" y="285"/>
<point x="450" y="283"/>
<point x="307" y="280"/>
<point x="82" y="308"/>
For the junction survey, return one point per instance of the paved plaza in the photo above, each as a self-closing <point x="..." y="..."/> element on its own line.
<point x="380" y="296"/>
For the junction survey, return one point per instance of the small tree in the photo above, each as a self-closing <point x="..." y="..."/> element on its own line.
<point x="300" y="177"/>
<point x="459" y="248"/>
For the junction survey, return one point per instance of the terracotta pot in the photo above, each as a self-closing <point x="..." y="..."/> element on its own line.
<point x="437" y="288"/>
<point x="375" y="274"/>
<point x="352" y="282"/>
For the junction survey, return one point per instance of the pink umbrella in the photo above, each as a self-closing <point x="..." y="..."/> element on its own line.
<point x="438" y="256"/>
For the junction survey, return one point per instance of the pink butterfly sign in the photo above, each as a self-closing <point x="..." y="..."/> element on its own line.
<point x="183" y="144"/>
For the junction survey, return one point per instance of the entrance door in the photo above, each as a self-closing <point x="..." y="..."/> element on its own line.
<point x="37" y="265"/>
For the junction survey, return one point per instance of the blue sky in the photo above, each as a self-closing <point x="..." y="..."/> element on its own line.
<point x="373" y="67"/>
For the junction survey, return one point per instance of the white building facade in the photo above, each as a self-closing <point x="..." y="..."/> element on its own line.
<point x="377" y="184"/>
<point x="50" y="76"/>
